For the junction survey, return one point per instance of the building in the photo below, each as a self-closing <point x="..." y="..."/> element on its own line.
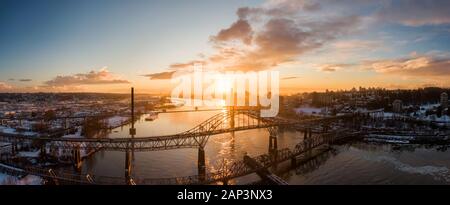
<point x="397" y="106"/>
<point x="322" y="99"/>
<point x="444" y="100"/>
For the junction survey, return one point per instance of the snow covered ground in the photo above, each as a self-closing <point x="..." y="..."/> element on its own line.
<point x="383" y="114"/>
<point x="6" y="179"/>
<point x="443" y="119"/>
<point x="429" y="106"/>
<point x="308" y="110"/>
<point x="116" y="121"/>
<point x="34" y="154"/>
<point x="75" y="135"/>
<point x="8" y="130"/>
<point x="27" y="180"/>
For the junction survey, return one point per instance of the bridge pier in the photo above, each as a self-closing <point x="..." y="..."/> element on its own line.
<point x="86" y="126"/>
<point x="128" y="167"/>
<point x="43" y="153"/>
<point x="14" y="148"/>
<point x="201" y="164"/>
<point x="65" y="125"/>
<point x="225" y="182"/>
<point x="232" y="121"/>
<point x="293" y="162"/>
<point x="307" y="141"/>
<point x="76" y="157"/>
<point x="273" y="144"/>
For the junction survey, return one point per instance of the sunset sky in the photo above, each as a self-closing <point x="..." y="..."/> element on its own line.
<point x="109" y="45"/>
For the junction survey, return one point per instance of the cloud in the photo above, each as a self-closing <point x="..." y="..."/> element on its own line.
<point x="429" y="66"/>
<point x="5" y="86"/>
<point x="416" y="12"/>
<point x="186" y="65"/>
<point x="290" y="78"/>
<point x="332" y="67"/>
<point x="357" y="45"/>
<point x="25" y="80"/>
<point x="240" y="30"/>
<point x="103" y="76"/>
<point x="280" y="32"/>
<point x="279" y="8"/>
<point x="11" y="79"/>
<point x="273" y="34"/>
<point x="160" y="76"/>
<point x="283" y="40"/>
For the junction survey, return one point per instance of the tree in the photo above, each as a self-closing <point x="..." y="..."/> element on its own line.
<point x="49" y="115"/>
<point x="41" y="127"/>
<point x="93" y="125"/>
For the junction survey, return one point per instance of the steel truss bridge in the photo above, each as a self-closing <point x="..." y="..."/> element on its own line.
<point x="226" y="172"/>
<point x="197" y="137"/>
<point x="224" y="122"/>
<point x="237" y="169"/>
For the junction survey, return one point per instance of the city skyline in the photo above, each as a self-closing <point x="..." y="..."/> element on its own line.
<point x="105" y="46"/>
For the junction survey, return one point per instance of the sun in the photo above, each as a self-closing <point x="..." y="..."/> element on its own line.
<point x="223" y="85"/>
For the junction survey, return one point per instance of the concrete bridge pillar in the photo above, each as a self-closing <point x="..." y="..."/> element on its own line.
<point x="293" y="162"/>
<point x="201" y="164"/>
<point x="273" y="134"/>
<point x="128" y="167"/>
<point x="232" y="121"/>
<point x="258" y="111"/>
<point x="65" y="123"/>
<point x="273" y="144"/>
<point x="85" y="126"/>
<point x="76" y="155"/>
<point x="307" y="140"/>
<point x="43" y="153"/>
<point x="14" y="148"/>
<point x="77" y="159"/>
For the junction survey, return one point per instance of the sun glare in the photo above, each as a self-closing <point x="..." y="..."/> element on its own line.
<point x="223" y="85"/>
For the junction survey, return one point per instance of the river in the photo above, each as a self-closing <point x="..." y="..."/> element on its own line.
<point x="351" y="163"/>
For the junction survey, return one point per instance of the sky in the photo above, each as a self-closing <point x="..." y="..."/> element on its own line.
<point x="112" y="45"/>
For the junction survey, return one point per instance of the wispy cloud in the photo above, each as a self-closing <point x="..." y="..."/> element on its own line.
<point x="290" y="78"/>
<point x="160" y="76"/>
<point x="415" y="12"/>
<point x="5" y="86"/>
<point x="332" y="67"/>
<point x="357" y="45"/>
<point x="429" y="67"/>
<point x="103" y="76"/>
<point x="177" y="66"/>
<point x="25" y="80"/>
<point x="417" y="66"/>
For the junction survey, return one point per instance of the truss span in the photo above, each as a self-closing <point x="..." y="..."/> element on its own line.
<point x="223" y="122"/>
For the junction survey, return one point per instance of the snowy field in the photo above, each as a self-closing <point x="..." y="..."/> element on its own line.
<point x="8" y="130"/>
<point x="308" y="110"/>
<point x="27" y="180"/>
<point x="116" y="121"/>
